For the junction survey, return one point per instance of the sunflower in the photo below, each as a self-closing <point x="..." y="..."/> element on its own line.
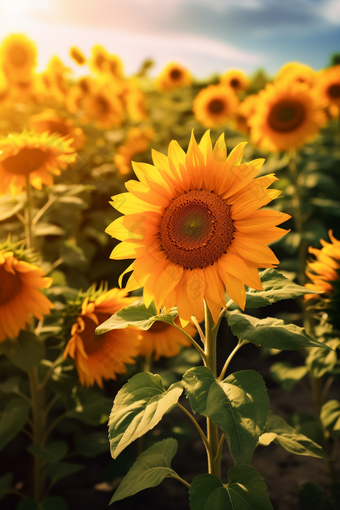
<point x="173" y="76"/>
<point x="104" y="106"/>
<point x="137" y="141"/>
<point x="99" y="59"/>
<point x="194" y="226"/>
<point x="325" y="267"/>
<point x="20" y="296"/>
<point x="299" y="73"/>
<point x="18" y="56"/>
<point x="328" y="86"/>
<point x="134" y="100"/>
<point x="215" y="105"/>
<point x="48" y="120"/>
<point x="114" y="66"/>
<point x="55" y="78"/>
<point x="33" y="156"/>
<point x="287" y="115"/>
<point x="162" y="339"/>
<point x="245" y="110"/>
<point x="77" y="56"/>
<point x="235" y="79"/>
<point x="99" y="357"/>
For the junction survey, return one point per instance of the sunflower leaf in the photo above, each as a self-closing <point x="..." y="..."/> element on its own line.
<point x="286" y="374"/>
<point x="330" y="417"/>
<point x="25" y="352"/>
<point x="239" y="406"/>
<point x="9" y="206"/>
<point x="276" y="287"/>
<point x="149" y="470"/>
<point x="311" y="496"/>
<point x="138" y="407"/>
<point x="136" y="315"/>
<point x="12" y="418"/>
<point x="270" y="332"/>
<point x="246" y="490"/>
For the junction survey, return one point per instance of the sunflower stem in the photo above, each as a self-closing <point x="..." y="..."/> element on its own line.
<point x="230" y="357"/>
<point x="28" y="215"/>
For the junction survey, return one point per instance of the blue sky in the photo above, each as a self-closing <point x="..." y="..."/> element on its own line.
<point x="205" y="35"/>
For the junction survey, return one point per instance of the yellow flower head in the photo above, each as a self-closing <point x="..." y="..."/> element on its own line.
<point x="245" y="110"/>
<point x="328" y="86"/>
<point x="99" y="357"/>
<point x="20" y="294"/>
<point x="134" y="100"/>
<point x="33" y="156"/>
<point x="137" y="141"/>
<point x="77" y="56"/>
<point x="325" y="267"/>
<point x="18" y="56"/>
<point x="103" y="106"/>
<point x="49" y="121"/>
<point x="215" y="105"/>
<point x="235" y="79"/>
<point x="173" y="76"/>
<point x="99" y="59"/>
<point x="287" y="115"/>
<point x="297" y="73"/>
<point x="194" y="226"/>
<point x="114" y="66"/>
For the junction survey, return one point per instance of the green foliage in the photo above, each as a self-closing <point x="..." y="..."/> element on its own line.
<point x="149" y="470"/>
<point x="92" y="444"/>
<point x="245" y="490"/>
<point x="5" y="484"/>
<point x="25" y="352"/>
<point x="320" y="361"/>
<point x="61" y="470"/>
<point x="52" y="452"/>
<point x="278" y="431"/>
<point x="238" y="405"/>
<point x="11" y="385"/>
<point x="12" y="418"/>
<point x="9" y="206"/>
<point x="88" y="406"/>
<point x="287" y="375"/>
<point x="138" y="407"/>
<point x="330" y="417"/>
<point x="312" y="497"/>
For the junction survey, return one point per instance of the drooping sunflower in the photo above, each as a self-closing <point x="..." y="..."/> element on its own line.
<point x="99" y="59"/>
<point x="99" y="357"/>
<point x="18" y="57"/>
<point x="194" y="227"/>
<point x="37" y="157"/>
<point x="296" y="72"/>
<point x="137" y="141"/>
<point x="325" y="268"/>
<point x="235" y="79"/>
<point x="20" y="294"/>
<point x="173" y="76"/>
<point x="215" y="105"/>
<point x="103" y="106"/>
<point x="77" y="55"/>
<point x="162" y="339"/>
<point x="287" y="115"/>
<point x="49" y="121"/>
<point x="328" y="85"/>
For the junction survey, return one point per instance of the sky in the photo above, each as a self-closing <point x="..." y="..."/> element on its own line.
<point x="207" y="36"/>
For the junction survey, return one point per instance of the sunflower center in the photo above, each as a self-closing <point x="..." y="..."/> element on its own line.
<point x="57" y="127"/>
<point x="18" y="56"/>
<point x="26" y="161"/>
<point x="175" y="74"/>
<point x="196" y="229"/>
<point x="216" y="106"/>
<point x="99" y="61"/>
<point x="10" y="285"/>
<point x="334" y="90"/>
<point x="92" y="342"/>
<point x="286" y="116"/>
<point x="103" y="105"/>
<point x="234" y="83"/>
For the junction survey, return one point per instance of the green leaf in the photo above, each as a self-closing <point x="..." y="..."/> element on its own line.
<point x="88" y="406"/>
<point x="286" y="374"/>
<point x="62" y="469"/>
<point x="149" y="470"/>
<point x="238" y="405"/>
<point x="270" y="332"/>
<point x="11" y="385"/>
<point x="12" y="418"/>
<point x="330" y="417"/>
<point x="25" y="352"/>
<point x="5" y="484"/>
<point x="245" y="490"/>
<point x="48" y="229"/>
<point x="91" y="445"/>
<point x="51" y="503"/>
<point x="312" y="497"/>
<point x="138" y="407"/>
<point x="279" y="432"/>
<point x="276" y="287"/>
<point x="136" y="315"/>
<point x="53" y="452"/>
<point x="321" y="361"/>
<point x="9" y="206"/>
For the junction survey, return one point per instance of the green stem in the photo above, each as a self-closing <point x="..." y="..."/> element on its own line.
<point x="230" y="357"/>
<point x="37" y="429"/>
<point x="194" y="343"/>
<point x="28" y="215"/>
<point x="176" y="477"/>
<point x="200" y="431"/>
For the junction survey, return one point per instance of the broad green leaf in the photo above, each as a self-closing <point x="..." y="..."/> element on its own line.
<point x="91" y="445"/>
<point x="136" y="315"/>
<point x="88" y="406"/>
<point x="278" y="431"/>
<point x="9" y="206"/>
<point x="286" y="374"/>
<point x="321" y="361"/>
<point x="246" y="490"/>
<point x="62" y="469"/>
<point x="311" y="497"/>
<point x="10" y="385"/>
<point x="330" y="417"/>
<point x="12" y="418"/>
<point x="308" y="426"/>
<point x="138" y="407"/>
<point x="238" y="405"/>
<point x="270" y="332"/>
<point x="53" y="452"/>
<point x="25" y="352"/>
<point x="149" y="470"/>
<point x="276" y="287"/>
<point x="5" y="484"/>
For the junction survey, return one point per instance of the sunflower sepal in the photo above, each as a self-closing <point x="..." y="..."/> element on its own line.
<point x="139" y="316"/>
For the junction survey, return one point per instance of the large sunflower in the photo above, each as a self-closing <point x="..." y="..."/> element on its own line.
<point x="99" y="59"/>
<point x="328" y="85"/>
<point x="104" y="107"/>
<point x="215" y="105"/>
<point x="287" y="115"/>
<point x="18" y="56"/>
<point x="173" y="76"/>
<point x="299" y="73"/>
<point x="48" y="120"/>
<point x="235" y="79"/>
<point x="20" y="295"/>
<point x="325" y="268"/>
<point x="194" y="227"/>
<point x="99" y="357"/>
<point x="34" y="156"/>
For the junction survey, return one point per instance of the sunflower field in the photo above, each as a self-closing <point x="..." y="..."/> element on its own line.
<point x="169" y="279"/>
